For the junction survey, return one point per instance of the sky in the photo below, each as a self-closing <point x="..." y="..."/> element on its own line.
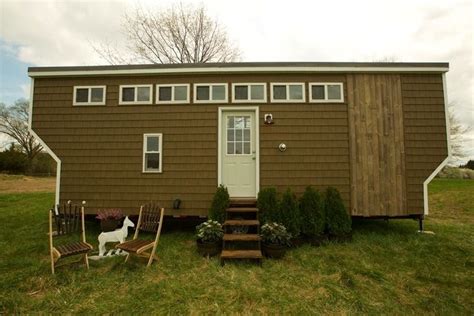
<point x="48" y="32"/>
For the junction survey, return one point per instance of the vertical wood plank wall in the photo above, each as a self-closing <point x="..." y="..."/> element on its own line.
<point x="377" y="152"/>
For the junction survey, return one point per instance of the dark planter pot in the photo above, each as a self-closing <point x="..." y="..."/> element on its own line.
<point x="108" y="225"/>
<point x="341" y="238"/>
<point x="274" y="251"/>
<point x="297" y="241"/>
<point x="208" y="248"/>
<point x="317" y="241"/>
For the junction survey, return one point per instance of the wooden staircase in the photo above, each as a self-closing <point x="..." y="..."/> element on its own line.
<point x="242" y="231"/>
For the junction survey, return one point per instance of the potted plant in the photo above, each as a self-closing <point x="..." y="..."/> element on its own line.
<point x="209" y="238"/>
<point x="109" y="219"/>
<point x="275" y="240"/>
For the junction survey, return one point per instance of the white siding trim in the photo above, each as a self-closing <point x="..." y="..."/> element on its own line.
<point x="445" y="161"/>
<point x="257" y="142"/>
<point x="288" y="84"/>
<point x="173" y="85"/>
<point x="247" y="69"/>
<point x="325" y="84"/>
<point x="135" y="102"/>
<point x="48" y="150"/>
<point x="89" y="96"/>
<point x="196" y="85"/>
<point x="248" y="84"/>
<point x="160" y="146"/>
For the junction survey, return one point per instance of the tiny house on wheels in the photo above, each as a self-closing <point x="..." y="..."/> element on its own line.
<point x="125" y="135"/>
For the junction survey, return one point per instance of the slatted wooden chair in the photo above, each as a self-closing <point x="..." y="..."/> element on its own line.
<point x="67" y="220"/>
<point x="150" y="220"/>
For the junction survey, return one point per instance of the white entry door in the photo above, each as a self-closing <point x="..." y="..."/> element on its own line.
<point x="238" y="153"/>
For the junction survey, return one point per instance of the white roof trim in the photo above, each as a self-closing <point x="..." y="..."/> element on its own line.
<point x="164" y="71"/>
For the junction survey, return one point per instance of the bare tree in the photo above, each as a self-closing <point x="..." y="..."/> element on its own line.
<point x="178" y="34"/>
<point x="14" y="123"/>
<point x="457" y="132"/>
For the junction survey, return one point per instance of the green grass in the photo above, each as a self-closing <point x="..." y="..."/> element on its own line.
<point x="388" y="268"/>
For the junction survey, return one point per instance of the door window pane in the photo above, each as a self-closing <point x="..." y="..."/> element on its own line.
<point x="247" y="148"/>
<point x="143" y="94"/>
<point x="180" y="93"/>
<point x="241" y="93"/>
<point x="230" y="148"/>
<point x="239" y="121"/>
<point x="202" y="93"/>
<point x="247" y="135"/>
<point x="230" y="135"/>
<point x="128" y="94"/>
<point x="218" y="92"/>
<point x="238" y="135"/>
<point x="238" y="148"/>
<point x="256" y="92"/>
<point x="296" y="92"/>
<point x="152" y="161"/>
<point x="279" y="92"/>
<point x="82" y="95"/>
<point x="230" y="121"/>
<point x="164" y="94"/>
<point x="97" y="94"/>
<point x="317" y="92"/>
<point x="334" y="92"/>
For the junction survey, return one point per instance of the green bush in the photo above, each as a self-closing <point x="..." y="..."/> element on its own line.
<point x="456" y="173"/>
<point x="220" y="203"/>
<point x="267" y="204"/>
<point x="13" y="161"/>
<point x="290" y="213"/>
<point x="339" y="222"/>
<point x="209" y="231"/>
<point x="275" y="234"/>
<point x="313" y="220"/>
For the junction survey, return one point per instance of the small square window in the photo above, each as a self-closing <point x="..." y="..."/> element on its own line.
<point x="128" y="94"/>
<point x="317" y="92"/>
<point x="203" y="93"/>
<point x="218" y="92"/>
<point x="257" y="92"/>
<point x="334" y="92"/>
<point x="164" y="94"/>
<point x="82" y="95"/>
<point x="279" y="92"/>
<point x="296" y="92"/>
<point x="180" y="93"/>
<point x="241" y="92"/>
<point x="143" y="93"/>
<point x="97" y="94"/>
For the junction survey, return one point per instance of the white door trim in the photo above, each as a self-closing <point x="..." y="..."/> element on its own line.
<point x="223" y="109"/>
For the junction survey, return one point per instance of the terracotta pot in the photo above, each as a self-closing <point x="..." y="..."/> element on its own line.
<point x="108" y="225"/>
<point x="208" y="248"/>
<point x="274" y="251"/>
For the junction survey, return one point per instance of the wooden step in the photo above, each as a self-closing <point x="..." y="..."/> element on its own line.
<point x="241" y="222"/>
<point x="241" y="237"/>
<point x="243" y="202"/>
<point x="242" y="210"/>
<point x="241" y="254"/>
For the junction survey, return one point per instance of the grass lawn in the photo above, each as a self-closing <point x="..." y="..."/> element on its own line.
<point x="388" y="268"/>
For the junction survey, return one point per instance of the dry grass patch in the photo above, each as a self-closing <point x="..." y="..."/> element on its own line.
<point x="24" y="184"/>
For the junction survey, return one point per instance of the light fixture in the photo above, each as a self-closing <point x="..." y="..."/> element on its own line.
<point x="268" y="119"/>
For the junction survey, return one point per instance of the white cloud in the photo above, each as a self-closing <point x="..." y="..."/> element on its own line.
<point x="52" y="32"/>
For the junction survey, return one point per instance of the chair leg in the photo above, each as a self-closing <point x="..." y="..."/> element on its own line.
<point x="150" y="260"/>
<point x="126" y="258"/>
<point x="52" y="262"/>
<point x="86" y="261"/>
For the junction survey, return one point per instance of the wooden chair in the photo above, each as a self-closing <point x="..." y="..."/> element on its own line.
<point x="150" y="219"/>
<point x="68" y="220"/>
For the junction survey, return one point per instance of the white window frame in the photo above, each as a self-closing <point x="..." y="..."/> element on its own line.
<point x="325" y="84"/>
<point x="136" y="95"/>
<point x="226" y="98"/>
<point x="160" y="151"/>
<point x="89" y="96"/>
<point x="248" y="84"/>
<point x="173" y="86"/>
<point x="287" y="100"/>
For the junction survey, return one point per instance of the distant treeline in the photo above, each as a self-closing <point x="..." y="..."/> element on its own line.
<point x="14" y="161"/>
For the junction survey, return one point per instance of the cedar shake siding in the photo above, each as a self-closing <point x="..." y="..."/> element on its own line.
<point x="377" y="147"/>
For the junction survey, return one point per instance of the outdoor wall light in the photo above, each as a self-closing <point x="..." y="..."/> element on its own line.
<point x="268" y="119"/>
<point x="282" y="147"/>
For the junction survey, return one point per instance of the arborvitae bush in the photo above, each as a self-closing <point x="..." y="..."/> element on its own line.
<point x="339" y="222"/>
<point x="313" y="220"/>
<point x="268" y="208"/>
<point x="290" y="213"/>
<point x="220" y="203"/>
